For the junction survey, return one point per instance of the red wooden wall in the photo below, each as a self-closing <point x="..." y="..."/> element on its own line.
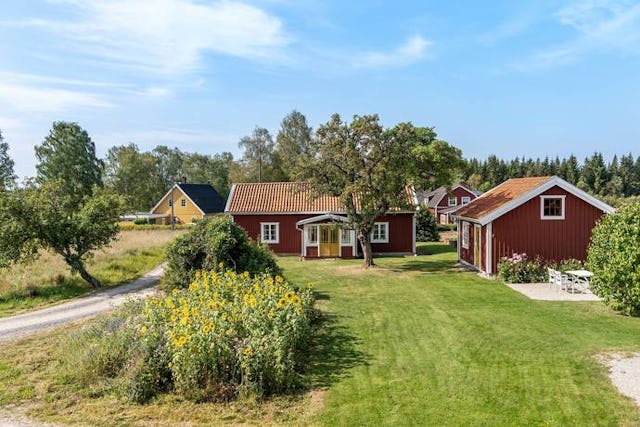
<point x="522" y="230"/>
<point x="459" y="193"/>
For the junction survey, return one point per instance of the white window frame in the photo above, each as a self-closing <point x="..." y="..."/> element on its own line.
<point x="344" y="232"/>
<point x="465" y="234"/>
<point x="183" y="203"/>
<point x="562" y="207"/>
<point x="385" y="226"/>
<point x="466" y="200"/>
<point x="455" y="201"/>
<point x="309" y="242"/>
<point x="277" y="232"/>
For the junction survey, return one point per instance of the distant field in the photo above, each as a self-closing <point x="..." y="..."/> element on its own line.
<point x="48" y="279"/>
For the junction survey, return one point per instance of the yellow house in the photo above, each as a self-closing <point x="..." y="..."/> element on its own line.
<point x="187" y="203"/>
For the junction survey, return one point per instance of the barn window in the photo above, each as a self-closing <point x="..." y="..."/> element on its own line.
<point x="453" y="201"/>
<point x="380" y="232"/>
<point x="466" y="200"/>
<point x="465" y="235"/>
<point x="183" y="203"/>
<point x="552" y="207"/>
<point x="312" y="235"/>
<point x="269" y="232"/>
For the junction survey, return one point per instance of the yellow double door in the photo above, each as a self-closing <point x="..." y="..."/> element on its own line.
<point x="329" y="241"/>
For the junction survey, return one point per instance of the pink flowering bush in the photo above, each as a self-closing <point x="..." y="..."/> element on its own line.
<point x="519" y="268"/>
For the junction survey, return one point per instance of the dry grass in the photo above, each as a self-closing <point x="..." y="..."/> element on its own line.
<point x="49" y="279"/>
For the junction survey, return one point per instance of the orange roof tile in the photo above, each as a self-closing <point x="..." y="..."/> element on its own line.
<point x="498" y="196"/>
<point x="282" y="197"/>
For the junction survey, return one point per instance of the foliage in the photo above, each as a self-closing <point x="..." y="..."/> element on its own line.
<point x="7" y="175"/>
<point x="292" y="143"/>
<point x="258" y="153"/>
<point x="141" y="221"/>
<point x="519" y="268"/>
<point x="48" y="217"/>
<point x="614" y="258"/>
<point x="129" y="225"/>
<point x="426" y="227"/>
<point x="568" y="264"/>
<point x="447" y="227"/>
<point x="68" y="156"/>
<point x="213" y="241"/>
<point x="369" y="168"/>
<point x="227" y="334"/>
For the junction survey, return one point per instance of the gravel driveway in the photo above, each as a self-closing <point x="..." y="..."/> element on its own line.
<point x="80" y="308"/>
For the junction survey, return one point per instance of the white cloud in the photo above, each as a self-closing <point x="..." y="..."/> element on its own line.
<point x="414" y="49"/>
<point x="25" y="98"/>
<point x="169" y="36"/>
<point x="600" y="26"/>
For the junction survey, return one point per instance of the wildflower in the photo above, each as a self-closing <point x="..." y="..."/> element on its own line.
<point x="247" y="351"/>
<point x="143" y="330"/>
<point x="282" y="302"/>
<point x="279" y="279"/>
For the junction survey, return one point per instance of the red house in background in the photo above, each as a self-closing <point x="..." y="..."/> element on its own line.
<point x="284" y="216"/>
<point x="540" y="216"/>
<point x="442" y="203"/>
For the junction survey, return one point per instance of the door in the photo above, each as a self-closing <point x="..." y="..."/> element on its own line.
<point x="477" y="246"/>
<point x="329" y="241"/>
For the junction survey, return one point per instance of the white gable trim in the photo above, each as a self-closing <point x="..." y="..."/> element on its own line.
<point x="183" y="193"/>
<point x="446" y="193"/>
<point x="233" y="189"/>
<point x="324" y="217"/>
<point x="554" y="181"/>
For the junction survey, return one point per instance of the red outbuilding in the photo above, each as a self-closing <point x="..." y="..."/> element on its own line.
<point x="286" y="217"/>
<point x="443" y="203"/>
<point x="540" y="216"/>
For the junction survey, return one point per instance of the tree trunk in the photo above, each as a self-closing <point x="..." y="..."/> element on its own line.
<point x="367" y="252"/>
<point x="78" y="266"/>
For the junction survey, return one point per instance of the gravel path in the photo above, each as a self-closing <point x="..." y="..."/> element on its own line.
<point x="624" y="371"/>
<point x="80" y="308"/>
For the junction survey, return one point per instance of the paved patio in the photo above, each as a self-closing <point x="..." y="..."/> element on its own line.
<point x="544" y="292"/>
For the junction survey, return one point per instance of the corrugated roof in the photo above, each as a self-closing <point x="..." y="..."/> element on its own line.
<point x="282" y="197"/>
<point x="204" y="195"/>
<point x="498" y="196"/>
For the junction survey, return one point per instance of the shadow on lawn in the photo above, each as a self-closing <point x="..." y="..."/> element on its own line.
<point x="333" y="352"/>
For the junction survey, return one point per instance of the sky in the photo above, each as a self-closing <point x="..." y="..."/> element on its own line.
<point x="511" y="78"/>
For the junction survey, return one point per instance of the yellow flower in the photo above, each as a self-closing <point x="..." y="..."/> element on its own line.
<point x="289" y="295"/>
<point x="295" y="300"/>
<point x="247" y="351"/>
<point x="143" y="330"/>
<point x="169" y="303"/>
<point x="279" y="279"/>
<point x="180" y="341"/>
<point x="282" y="302"/>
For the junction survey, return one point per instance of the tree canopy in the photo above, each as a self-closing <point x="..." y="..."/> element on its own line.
<point x="7" y="176"/>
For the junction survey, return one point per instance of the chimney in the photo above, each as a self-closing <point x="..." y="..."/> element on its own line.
<point x="184" y="180"/>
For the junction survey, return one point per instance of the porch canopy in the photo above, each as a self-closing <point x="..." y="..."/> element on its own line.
<point x="322" y="218"/>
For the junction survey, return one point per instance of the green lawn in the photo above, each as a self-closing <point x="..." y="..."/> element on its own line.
<point x="418" y="342"/>
<point x="413" y="341"/>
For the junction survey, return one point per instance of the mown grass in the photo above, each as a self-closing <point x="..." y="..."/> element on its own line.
<point x="48" y="279"/>
<point x="414" y="341"/>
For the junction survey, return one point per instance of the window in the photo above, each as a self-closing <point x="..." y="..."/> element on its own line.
<point x="466" y="200"/>
<point x="170" y="202"/>
<point x="453" y="201"/>
<point x="345" y="236"/>
<point x="269" y="232"/>
<point x="312" y="235"/>
<point x="552" y="207"/>
<point x="183" y="203"/>
<point x="465" y="235"/>
<point x="380" y="232"/>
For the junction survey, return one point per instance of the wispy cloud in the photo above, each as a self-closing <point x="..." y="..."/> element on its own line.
<point x="414" y="49"/>
<point x="167" y="36"/>
<point x="25" y="98"/>
<point x="600" y="26"/>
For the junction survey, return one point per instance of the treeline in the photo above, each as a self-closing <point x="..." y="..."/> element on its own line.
<point x="618" y="178"/>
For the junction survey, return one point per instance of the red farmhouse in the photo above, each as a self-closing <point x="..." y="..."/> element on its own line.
<point x="443" y="203"/>
<point x="283" y="215"/>
<point x="540" y="216"/>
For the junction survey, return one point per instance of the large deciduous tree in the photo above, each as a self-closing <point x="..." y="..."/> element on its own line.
<point x="7" y="176"/>
<point x="369" y="168"/>
<point x="258" y="152"/>
<point x="292" y="143"/>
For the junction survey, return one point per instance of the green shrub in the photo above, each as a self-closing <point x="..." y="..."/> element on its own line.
<point x="518" y="268"/>
<point x="228" y="334"/>
<point x="213" y="241"/>
<point x="614" y="258"/>
<point x="141" y="221"/>
<point x="447" y="227"/>
<point x="426" y="227"/>
<point x="129" y="225"/>
<point x="567" y="265"/>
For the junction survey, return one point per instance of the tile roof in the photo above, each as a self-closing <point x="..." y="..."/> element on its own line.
<point x="498" y="196"/>
<point x="282" y="197"/>
<point x="204" y="195"/>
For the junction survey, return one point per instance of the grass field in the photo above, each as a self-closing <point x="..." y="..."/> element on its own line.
<point x="413" y="341"/>
<point x="48" y="279"/>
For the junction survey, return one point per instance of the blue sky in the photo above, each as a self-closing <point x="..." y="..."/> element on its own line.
<point x="511" y="78"/>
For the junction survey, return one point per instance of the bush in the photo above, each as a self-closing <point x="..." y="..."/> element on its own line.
<point x="129" y="225"/>
<point x="614" y="258"/>
<point x="520" y="269"/>
<point x="141" y="221"/>
<point x="227" y="334"/>
<point x="213" y="241"/>
<point x="426" y="227"/>
<point x="568" y="264"/>
<point x="447" y="227"/>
